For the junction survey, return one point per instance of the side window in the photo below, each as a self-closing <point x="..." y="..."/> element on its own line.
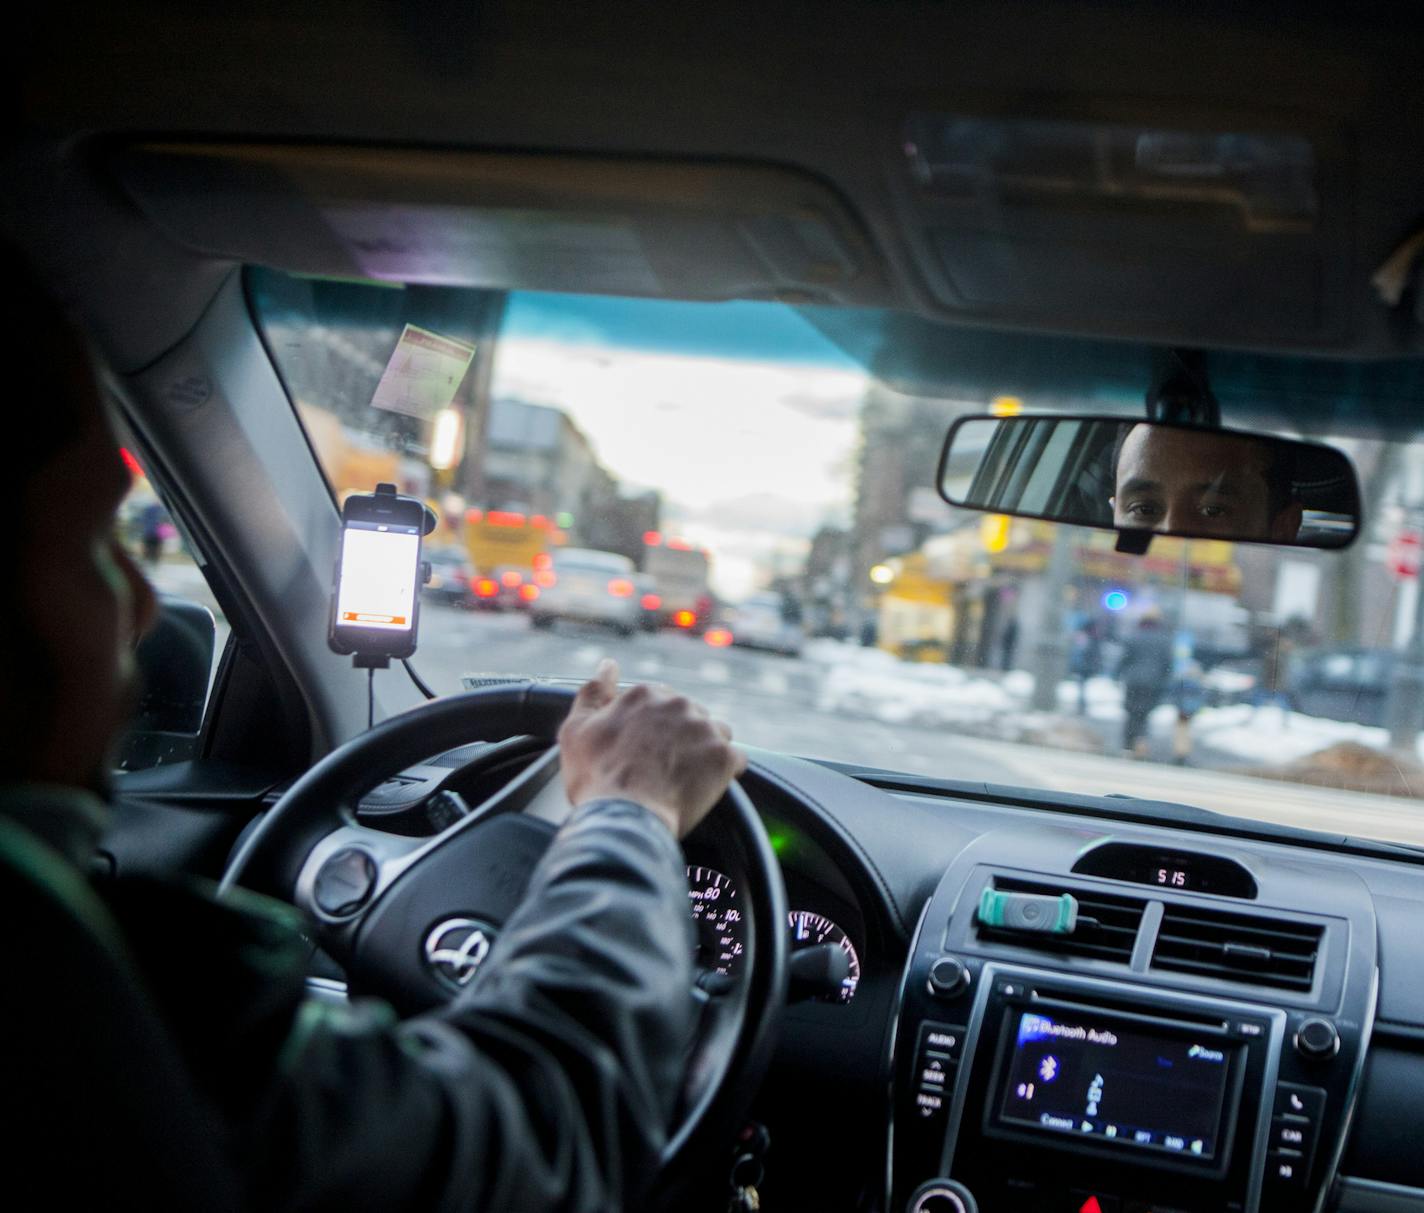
<point x="178" y="659"/>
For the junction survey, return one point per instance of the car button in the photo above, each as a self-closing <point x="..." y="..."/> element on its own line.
<point x="344" y="882"/>
<point x="1292" y="1133"/>
<point x="944" y="1038"/>
<point x="1294" y="1100"/>
<point x="1091" y="1202"/>
<point x="1285" y="1168"/>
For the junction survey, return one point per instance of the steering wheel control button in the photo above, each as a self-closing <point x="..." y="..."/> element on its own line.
<point x="345" y="882"/>
<point x="942" y="1196"/>
<point x="948" y="977"/>
<point x="456" y="948"/>
<point x="1317" y="1039"/>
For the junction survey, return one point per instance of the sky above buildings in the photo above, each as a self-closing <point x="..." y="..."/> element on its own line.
<point x="741" y="414"/>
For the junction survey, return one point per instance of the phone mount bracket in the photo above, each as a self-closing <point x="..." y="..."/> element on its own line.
<point x="385" y="489"/>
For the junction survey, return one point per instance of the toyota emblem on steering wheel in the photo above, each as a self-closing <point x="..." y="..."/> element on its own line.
<point x="456" y="948"/>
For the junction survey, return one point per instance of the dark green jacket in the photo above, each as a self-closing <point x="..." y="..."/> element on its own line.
<point x="158" y="1043"/>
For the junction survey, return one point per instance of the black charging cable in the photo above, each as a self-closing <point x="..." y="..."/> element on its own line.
<point x="371" y="697"/>
<point x="419" y="682"/>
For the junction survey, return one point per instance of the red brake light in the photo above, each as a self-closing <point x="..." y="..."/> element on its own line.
<point x="511" y="578"/>
<point x="545" y="579"/>
<point x="473" y="516"/>
<point x="486" y="587"/>
<point x="684" y="619"/>
<point x="652" y="538"/>
<point x="650" y="602"/>
<point x="679" y="545"/>
<point x="505" y="518"/>
<point x="542" y="560"/>
<point x="529" y="592"/>
<point x="718" y="638"/>
<point x="130" y="462"/>
<point x="540" y="522"/>
<point x="621" y="587"/>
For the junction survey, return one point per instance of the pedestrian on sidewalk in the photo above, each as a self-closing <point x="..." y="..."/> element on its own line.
<point x="1145" y="672"/>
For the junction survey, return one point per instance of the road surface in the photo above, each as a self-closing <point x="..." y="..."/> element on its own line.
<point x="773" y="702"/>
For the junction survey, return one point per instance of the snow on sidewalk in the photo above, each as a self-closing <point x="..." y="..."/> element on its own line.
<point x="1273" y="736"/>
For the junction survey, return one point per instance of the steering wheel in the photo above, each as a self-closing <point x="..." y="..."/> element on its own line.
<point x="411" y="919"/>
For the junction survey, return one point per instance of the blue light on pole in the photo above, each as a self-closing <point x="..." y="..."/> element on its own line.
<point x="1115" y="600"/>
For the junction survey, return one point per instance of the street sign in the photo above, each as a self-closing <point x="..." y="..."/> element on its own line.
<point x="1402" y="556"/>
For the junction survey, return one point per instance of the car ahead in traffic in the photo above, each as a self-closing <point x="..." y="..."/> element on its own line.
<point x="452" y="578"/>
<point x="765" y="621"/>
<point x="650" y="602"/>
<point x="508" y="588"/>
<point x="586" y="586"/>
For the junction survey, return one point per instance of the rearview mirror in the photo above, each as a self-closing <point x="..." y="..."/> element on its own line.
<point x="1154" y="477"/>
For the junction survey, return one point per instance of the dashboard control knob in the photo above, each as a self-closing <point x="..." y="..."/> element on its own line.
<point x="948" y="977"/>
<point x="344" y="883"/>
<point x="942" y="1196"/>
<point x="1317" y="1038"/>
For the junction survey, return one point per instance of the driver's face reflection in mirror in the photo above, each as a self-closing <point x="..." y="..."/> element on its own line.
<point x="1199" y="483"/>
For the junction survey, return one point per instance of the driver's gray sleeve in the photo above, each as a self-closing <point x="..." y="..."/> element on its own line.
<point x="548" y="1085"/>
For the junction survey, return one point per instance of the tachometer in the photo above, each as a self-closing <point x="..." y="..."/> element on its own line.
<point x="808" y="929"/>
<point x="718" y="915"/>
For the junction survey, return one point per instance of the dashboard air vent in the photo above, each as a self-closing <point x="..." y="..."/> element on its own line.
<point x="1237" y="947"/>
<point x="1107" y="924"/>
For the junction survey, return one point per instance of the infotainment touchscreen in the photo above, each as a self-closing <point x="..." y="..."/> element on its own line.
<point x="1115" y="1080"/>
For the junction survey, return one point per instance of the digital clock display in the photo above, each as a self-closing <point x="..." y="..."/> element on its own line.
<point x="1185" y="871"/>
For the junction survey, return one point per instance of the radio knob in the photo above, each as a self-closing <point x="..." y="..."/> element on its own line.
<point x="948" y="977"/>
<point x="1317" y="1038"/>
<point x="942" y="1196"/>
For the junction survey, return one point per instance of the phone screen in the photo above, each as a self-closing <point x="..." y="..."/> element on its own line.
<point x="379" y="566"/>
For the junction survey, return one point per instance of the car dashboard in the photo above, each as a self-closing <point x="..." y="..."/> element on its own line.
<point x="1234" y="1024"/>
<point x="1231" y="1022"/>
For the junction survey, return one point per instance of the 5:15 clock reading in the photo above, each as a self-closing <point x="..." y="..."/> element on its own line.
<point x="1172" y="877"/>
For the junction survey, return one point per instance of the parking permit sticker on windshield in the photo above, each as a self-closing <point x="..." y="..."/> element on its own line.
<point x="423" y="373"/>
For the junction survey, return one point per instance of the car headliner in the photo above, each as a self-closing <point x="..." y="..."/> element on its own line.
<point x="688" y="110"/>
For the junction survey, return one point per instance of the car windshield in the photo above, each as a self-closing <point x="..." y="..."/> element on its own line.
<point x="621" y="475"/>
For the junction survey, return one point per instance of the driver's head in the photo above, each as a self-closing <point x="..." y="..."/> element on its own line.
<point x="73" y="602"/>
<point x="1196" y="482"/>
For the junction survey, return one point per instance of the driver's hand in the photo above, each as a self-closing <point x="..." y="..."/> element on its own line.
<point x="646" y="745"/>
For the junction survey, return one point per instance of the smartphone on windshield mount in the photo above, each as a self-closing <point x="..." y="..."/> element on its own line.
<point x="375" y="605"/>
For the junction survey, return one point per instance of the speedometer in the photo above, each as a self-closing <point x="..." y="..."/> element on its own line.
<point x="718" y="914"/>
<point x="808" y="929"/>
